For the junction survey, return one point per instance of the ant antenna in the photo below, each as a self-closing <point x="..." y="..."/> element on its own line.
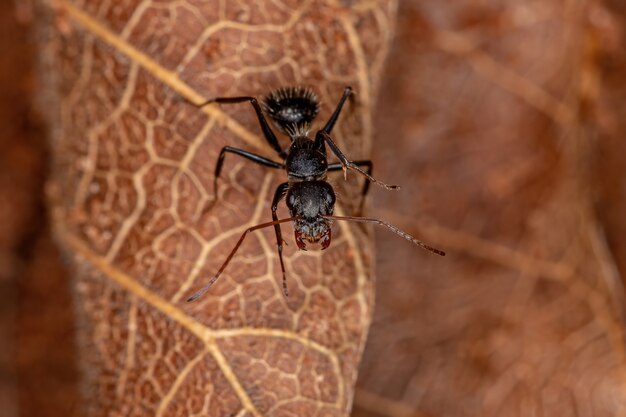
<point x="390" y="227"/>
<point x="204" y="289"/>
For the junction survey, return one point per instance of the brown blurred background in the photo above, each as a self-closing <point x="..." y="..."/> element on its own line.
<point x="510" y="117"/>
<point x="37" y="369"/>
<point x="504" y="122"/>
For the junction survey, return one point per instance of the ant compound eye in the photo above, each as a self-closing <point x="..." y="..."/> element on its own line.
<point x="330" y="199"/>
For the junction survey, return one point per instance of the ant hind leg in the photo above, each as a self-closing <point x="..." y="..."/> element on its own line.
<point x="347" y="92"/>
<point x="269" y="135"/>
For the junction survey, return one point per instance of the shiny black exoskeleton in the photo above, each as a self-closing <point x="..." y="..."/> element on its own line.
<point x="310" y="199"/>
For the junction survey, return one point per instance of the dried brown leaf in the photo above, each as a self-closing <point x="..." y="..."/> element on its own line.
<point x="133" y="162"/>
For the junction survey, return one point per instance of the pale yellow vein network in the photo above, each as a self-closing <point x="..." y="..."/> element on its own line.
<point x="170" y="78"/>
<point x="208" y="335"/>
<point x="129" y="361"/>
<point x="180" y="378"/>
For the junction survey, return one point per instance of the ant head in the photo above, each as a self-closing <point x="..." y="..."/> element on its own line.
<point x="309" y="201"/>
<point x="292" y="109"/>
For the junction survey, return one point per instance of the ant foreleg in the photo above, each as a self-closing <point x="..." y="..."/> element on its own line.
<point x="369" y="166"/>
<point x="281" y="190"/>
<point x="345" y="163"/>
<point x="269" y="135"/>
<point x="204" y="289"/>
<point x="333" y="118"/>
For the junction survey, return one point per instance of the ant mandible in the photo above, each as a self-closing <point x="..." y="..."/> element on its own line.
<point x="309" y="197"/>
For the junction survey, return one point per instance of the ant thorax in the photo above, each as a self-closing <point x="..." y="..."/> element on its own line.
<point x="309" y="202"/>
<point x="304" y="161"/>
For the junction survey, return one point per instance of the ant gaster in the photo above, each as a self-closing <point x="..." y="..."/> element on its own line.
<point x="309" y="197"/>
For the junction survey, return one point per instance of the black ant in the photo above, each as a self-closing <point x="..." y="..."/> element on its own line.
<point x="310" y="199"/>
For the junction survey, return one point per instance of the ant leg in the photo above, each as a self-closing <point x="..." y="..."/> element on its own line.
<point x="333" y="118"/>
<point x="281" y="190"/>
<point x="248" y="155"/>
<point x="204" y="289"/>
<point x="345" y="163"/>
<point x="269" y="135"/>
<point x="369" y="166"/>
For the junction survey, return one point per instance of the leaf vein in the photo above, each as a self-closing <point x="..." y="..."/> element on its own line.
<point x="169" y="78"/>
